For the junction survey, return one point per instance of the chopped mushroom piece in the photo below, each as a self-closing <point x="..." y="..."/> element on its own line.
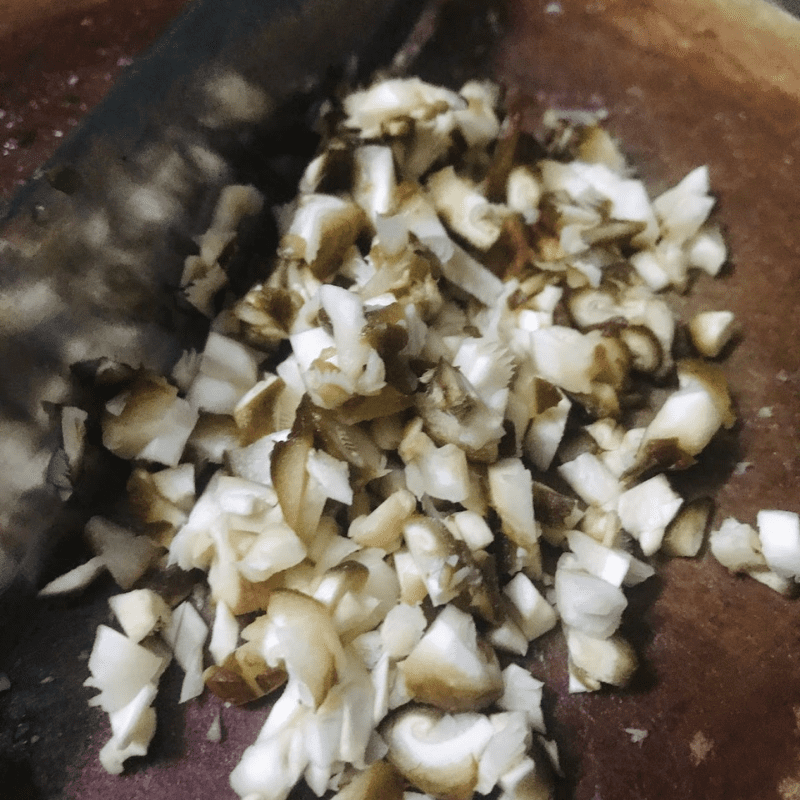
<point x="437" y="752"/>
<point x="455" y="308"/>
<point x="535" y="615"/>
<point x="465" y="209"/>
<point x="440" y="472"/>
<point x="711" y="331"/>
<point x="594" y="661"/>
<point x="684" y="208"/>
<point x="610" y="564"/>
<point x="507" y="747"/>
<point x="523" y="692"/>
<point x="736" y="546"/>
<point x="370" y="111"/>
<point x="683" y="426"/>
<point x="646" y="510"/>
<point x="132" y="728"/>
<point x="120" y="669"/>
<point x="444" y="565"/>
<point x="224" y="634"/>
<point x="140" y="612"/>
<point x="508" y="635"/>
<point x="546" y="430"/>
<point x="528" y="780"/>
<point x="471" y="528"/>
<point x="228" y="370"/>
<point x="185" y="632"/>
<point x="271" y="766"/>
<point x="402" y="629"/>
<point x="244" y="676"/>
<point x="707" y="251"/>
<point x="125" y="555"/>
<point x="413" y="589"/>
<point x="451" y="668"/>
<point x="587" y="603"/>
<point x="312" y="660"/>
<point x="322" y="230"/>
<point x="685" y="534"/>
<point x="149" y="422"/>
<point x="383" y="527"/>
<point x="214" y="732"/>
<point x="591" y="480"/>
<point x="779" y="532"/>
<point x="511" y="489"/>
<point x="76" y="579"/>
<point x="380" y="781"/>
<point x="454" y="413"/>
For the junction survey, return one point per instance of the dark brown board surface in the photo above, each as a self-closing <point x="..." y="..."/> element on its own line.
<point x="57" y="60"/>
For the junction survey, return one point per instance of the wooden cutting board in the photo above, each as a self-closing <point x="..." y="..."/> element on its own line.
<point x="714" y="711"/>
<point x="58" y="58"/>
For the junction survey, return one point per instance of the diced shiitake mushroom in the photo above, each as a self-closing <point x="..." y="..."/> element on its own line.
<point x="126" y="673"/>
<point x="737" y="546"/>
<point x="770" y="554"/>
<point x="243" y="676"/>
<point x="461" y="331"/>
<point x="685" y="534"/>
<point x="443" y="564"/>
<point x="587" y="603"/>
<point x="119" y="668"/>
<point x="228" y="369"/>
<point x="149" y="422"/>
<point x="139" y="612"/>
<point x="451" y="668"/>
<point x="185" y="632"/>
<point x="379" y="780"/>
<point x="593" y="660"/>
<point x="126" y="555"/>
<point x="534" y="615"/>
<point x="779" y="532"/>
<point x="322" y="230"/>
<point x="437" y="752"/>
<point x="711" y="331"/>
<point x="646" y="510"/>
<point x="312" y="659"/>
<point x="75" y="579"/>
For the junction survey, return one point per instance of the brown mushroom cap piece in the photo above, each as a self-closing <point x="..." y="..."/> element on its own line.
<point x="451" y="668"/>
<point x="437" y="752"/>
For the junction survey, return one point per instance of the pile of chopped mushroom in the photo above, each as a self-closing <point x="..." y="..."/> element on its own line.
<point x="436" y="431"/>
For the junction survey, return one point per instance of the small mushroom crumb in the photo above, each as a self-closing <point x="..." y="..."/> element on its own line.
<point x="214" y="733"/>
<point x="765" y="412"/>
<point x="638" y="735"/>
<point x="699" y="748"/>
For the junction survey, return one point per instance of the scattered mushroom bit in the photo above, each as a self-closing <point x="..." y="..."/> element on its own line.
<point x="437" y="427"/>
